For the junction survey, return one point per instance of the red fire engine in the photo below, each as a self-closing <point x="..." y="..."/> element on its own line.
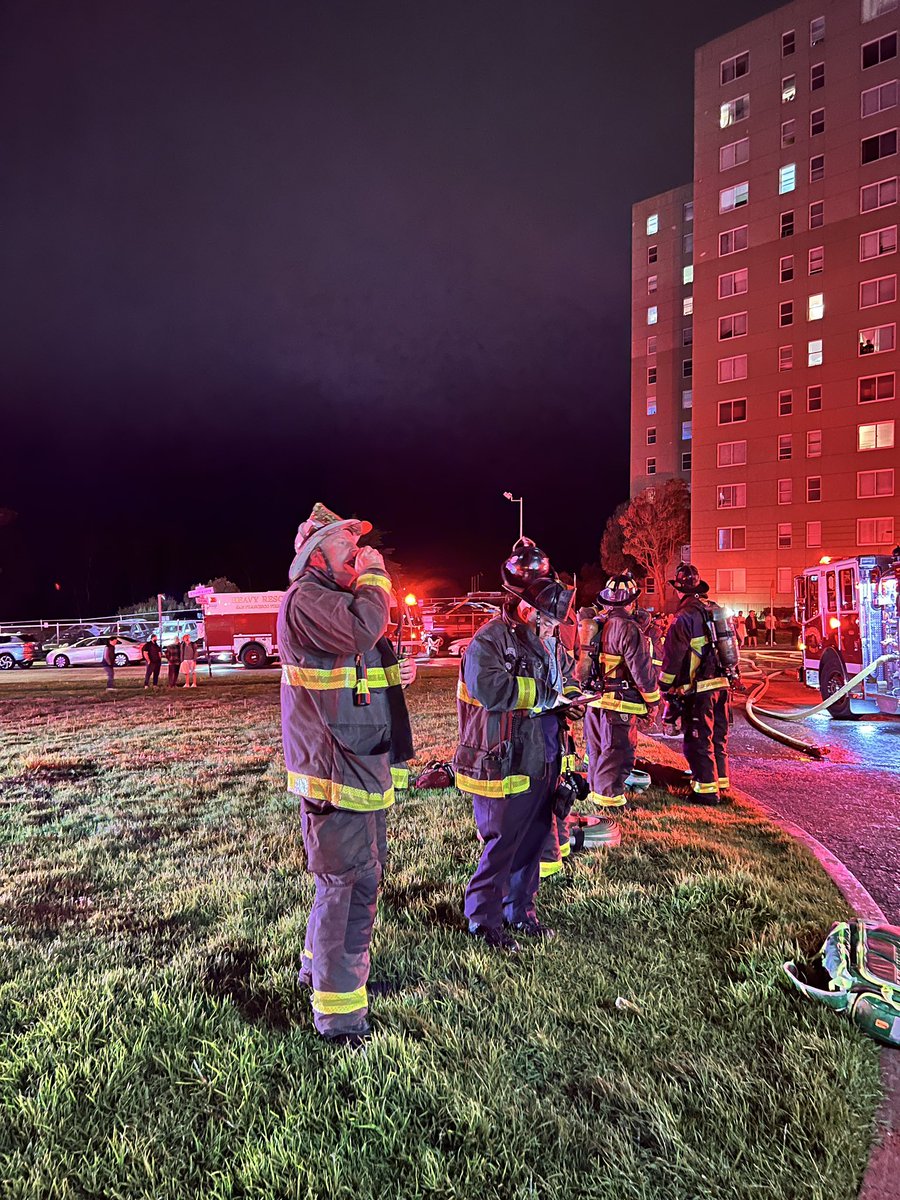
<point x="240" y="626"/>
<point x="848" y="613"/>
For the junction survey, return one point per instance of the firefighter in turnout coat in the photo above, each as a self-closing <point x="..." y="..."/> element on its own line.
<point x="510" y="745"/>
<point x="692" y="673"/>
<point x="346" y="734"/>
<point x="629" y="690"/>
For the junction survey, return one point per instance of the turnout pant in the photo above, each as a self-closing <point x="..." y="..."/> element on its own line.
<point x="345" y="853"/>
<point x="612" y="745"/>
<point x="514" y="830"/>
<point x="705" y="721"/>
<point x="556" y="847"/>
<point x="152" y="672"/>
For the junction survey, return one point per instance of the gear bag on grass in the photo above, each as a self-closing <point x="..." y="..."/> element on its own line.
<point x="857" y="972"/>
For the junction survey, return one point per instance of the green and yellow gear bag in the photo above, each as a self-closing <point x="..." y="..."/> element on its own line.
<point x="857" y="972"/>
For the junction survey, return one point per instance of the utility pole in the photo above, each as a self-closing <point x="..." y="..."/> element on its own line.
<point x="516" y="500"/>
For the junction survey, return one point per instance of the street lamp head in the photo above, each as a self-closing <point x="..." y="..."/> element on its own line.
<point x="507" y="495"/>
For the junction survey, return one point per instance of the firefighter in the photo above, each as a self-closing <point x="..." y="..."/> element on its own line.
<point x="693" y="675"/>
<point x="629" y="690"/>
<point x="511" y="744"/>
<point x="346" y="732"/>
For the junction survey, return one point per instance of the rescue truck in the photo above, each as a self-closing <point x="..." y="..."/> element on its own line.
<point x="240" y="626"/>
<point x="847" y="610"/>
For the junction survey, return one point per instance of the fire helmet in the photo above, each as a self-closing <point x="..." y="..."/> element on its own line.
<point x="528" y="576"/>
<point x="687" y="581"/>
<point x="619" y="591"/>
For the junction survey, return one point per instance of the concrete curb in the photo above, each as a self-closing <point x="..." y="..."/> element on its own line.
<point x="882" y="1177"/>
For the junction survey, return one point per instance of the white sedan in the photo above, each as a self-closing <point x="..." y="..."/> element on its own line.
<point x="89" y="652"/>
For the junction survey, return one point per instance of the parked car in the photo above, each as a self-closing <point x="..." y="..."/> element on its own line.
<point x="89" y="652"/>
<point x="12" y="652"/>
<point x="456" y="624"/>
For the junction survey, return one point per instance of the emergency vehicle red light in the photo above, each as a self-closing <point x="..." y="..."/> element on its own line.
<point x="410" y="599"/>
<point x="801" y="646"/>
<point x="824" y="560"/>
<point x="833" y="623"/>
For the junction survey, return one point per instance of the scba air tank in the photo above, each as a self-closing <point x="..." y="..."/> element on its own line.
<point x="725" y="641"/>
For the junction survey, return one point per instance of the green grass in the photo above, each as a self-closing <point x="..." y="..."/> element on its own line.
<point x="154" y="1042"/>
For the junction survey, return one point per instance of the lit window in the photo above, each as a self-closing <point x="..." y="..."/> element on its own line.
<point x="687" y="274"/>
<point x="817" y="214"/>
<point x="787" y="224"/>
<point x="732" y="368"/>
<point x="816" y="122"/>
<point x="651" y="436"/>
<point x="788" y="89"/>
<point x="687" y="306"/>
<point x="734" y="154"/>
<point x="785" y="447"/>
<point x="813" y="533"/>
<point x="733" y="111"/>
<point x="878" y="291"/>
<point x="731" y="454"/>
<point x="788" y="43"/>
<point x="732" y="411"/>
<point x="815" y="307"/>
<point x="880" y="145"/>
<point x="814" y="443"/>
<point x="786" y="313"/>
<point x="652" y="315"/>
<point x="813" y="489"/>
<point x="785" y="404"/>
<point x="651" y="466"/>
<point x="785" y="358"/>
<point x="788" y="134"/>
<point x="732" y="537"/>
<point x="872" y="388"/>
<point x="733" y="283"/>
<point x="877" y="436"/>
<point x="881" y="50"/>
<point x="652" y="283"/>
<point x="785" y="535"/>
<point x="687" y="211"/>
<point x="785" y="491"/>
<point x="734" y="197"/>
<point x="877" y="8"/>
<point x="686" y="431"/>
<point x="816" y="260"/>
<point x="786" y="268"/>
<point x="814" y="353"/>
<point x="870" y="484"/>
<point x="732" y="326"/>
<point x="732" y="582"/>
<point x="879" y="99"/>
<point x="817" y="168"/>
<point x="877" y="243"/>
<point x="731" y="495"/>
<point x="816" y="76"/>
<point x="653" y="223"/>
<point x="878" y="195"/>
<point x="814" y="397"/>
<point x="787" y="178"/>
<point x="734" y="240"/>
<point x="686" y="460"/>
<point x="877" y="339"/>
<point x="874" y="531"/>
<point x="687" y="398"/>
<point x="651" y="406"/>
<point x="734" y="68"/>
<point x="816" y="31"/>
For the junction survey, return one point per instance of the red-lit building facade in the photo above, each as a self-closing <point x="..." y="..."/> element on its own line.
<point x="793" y="448"/>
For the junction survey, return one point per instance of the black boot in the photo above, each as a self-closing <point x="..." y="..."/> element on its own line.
<point x="496" y="939"/>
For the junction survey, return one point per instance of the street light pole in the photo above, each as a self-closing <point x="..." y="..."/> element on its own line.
<point x="516" y="500"/>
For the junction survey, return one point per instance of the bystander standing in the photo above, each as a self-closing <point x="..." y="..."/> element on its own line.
<point x="152" y="656"/>
<point x="188" y="661"/>
<point x="109" y="662"/>
<point x="173" y="658"/>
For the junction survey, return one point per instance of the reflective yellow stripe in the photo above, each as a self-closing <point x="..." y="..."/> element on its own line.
<point x="711" y="685"/>
<point x="610" y="702"/>
<point x="510" y="786"/>
<point x="651" y="697"/>
<point x="307" y="953"/>
<point x="321" y="679"/>
<point x="400" y="777"/>
<point x="704" y="789"/>
<point x="565" y="850"/>
<point x="338" y="794"/>
<point x="571" y="689"/>
<point x="657" y="662"/>
<point x="550" y="868"/>
<point x="610" y="660"/>
<point x="339" y="1002"/>
<point x="463" y="693"/>
<point x="371" y="580"/>
<point x="526" y="692"/>
<point x="607" y="801"/>
<point x="724" y="781"/>
<point x="568" y="762"/>
<point x="666" y="677"/>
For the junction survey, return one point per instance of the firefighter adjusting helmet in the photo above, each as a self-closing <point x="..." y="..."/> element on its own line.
<point x="687" y="581"/>
<point x="619" y="591"/>
<point x="528" y="576"/>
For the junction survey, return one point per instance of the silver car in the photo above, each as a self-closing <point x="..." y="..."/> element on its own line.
<point x="89" y="652"/>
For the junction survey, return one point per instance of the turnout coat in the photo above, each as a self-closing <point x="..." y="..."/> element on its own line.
<point x="690" y="664"/>
<point x="339" y="752"/>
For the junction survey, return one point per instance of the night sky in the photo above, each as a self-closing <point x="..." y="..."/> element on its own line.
<point x="373" y="253"/>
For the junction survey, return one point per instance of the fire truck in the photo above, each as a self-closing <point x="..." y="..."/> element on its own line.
<point x="847" y="610"/>
<point x="240" y="626"/>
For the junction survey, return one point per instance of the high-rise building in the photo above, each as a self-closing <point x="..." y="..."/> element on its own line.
<point x="795" y="296"/>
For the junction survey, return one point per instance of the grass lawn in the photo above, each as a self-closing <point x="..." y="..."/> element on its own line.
<point x="154" y="1042"/>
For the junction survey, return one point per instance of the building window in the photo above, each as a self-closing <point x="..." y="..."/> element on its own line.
<point x="816" y="260"/>
<point x="734" y="283"/>
<point x="816" y="76"/>
<point x="816" y="168"/>
<point x="877" y="243"/>
<point x="814" y="443"/>
<point x="813" y="489"/>
<point x="733" y="111"/>
<point x="687" y="398"/>
<point x="785" y="404"/>
<point x="785" y="491"/>
<point x="870" y="484"/>
<point x="877" y="339"/>
<point x="687" y="306"/>
<point x="785" y="447"/>
<point x="687" y="431"/>
<point x="651" y="466"/>
<point x="787" y="224"/>
<point x="871" y="388"/>
<point x="653" y="223"/>
<point x="733" y="582"/>
<point x="686" y="460"/>
<point x="649" y="585"/>
<point x="788" y="134"/>
<point x="788" y="43"/>
<point x="732" y="326"/>
<point x="734" y="197"/>
<point x="817" y="214"/>
<point x="815" y="307"/>
<point x="687" y="274"/>
<point x="785" y="535"/>
<point x="877" y="8"/>
<point x="734" y="154"/>
<point x="878" y="195"/>
<point x="651" y="406"/>
<point x="687" y="368"/>
<point x="651" y="376"/>
<point x="652" y="283"/>
<point x="785" y="358"/>
<point x="816" y="31"/>
<point x="687" y="211"/>
<point x="652" y="255"/>
<point x="786" y="269"/>
<point x="784" y="586"/>
<point x="874" y="531"/>
<point x="788" y="89"/>
<point x="651" y="436"/>
<point x="687" y="336"/>
<point x="814" y="353"/>
<point x="814" y="397"/>
<point x="787" y="178"/>
<point x="879" y="99"/>
<point x="731" y="495"/>
<point x="732" y="368"/>
<point x="733" y="240"/>
<point x="877" y="436"/>
<point x="732" y="411"/>
<point x="881" y="50"/>
<point x="652" y="315"/>
<point x="731" y="537"/>
<point x="651" y="344"/>
<point x="687" y="243"/>
<point x="880" y="145"/>
<point x="731" y="454"/>
<point x="813" y="533"/>
<point x="786" y="313"/>
<point x="734" y="68"/>
<point x="817" y="122"/>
